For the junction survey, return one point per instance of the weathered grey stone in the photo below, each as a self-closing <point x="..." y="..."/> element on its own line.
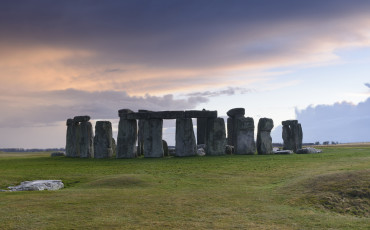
<point x="229" y="149"/>
<point x="230" y="131"/>
<point x="114" y="147"/>
<point x="73" y="139"/>
<point x="81" y="118"/>
<point x="185" y="138"/>
<point x="86" y="140"/>
<point x="201" y="130"/>
<point x="201" y="152"/>
<point x="244" y="136"/>
<point x="264" y="140"/>
<point x="103" y="140"/>
<point x="70" y="137"/>
<point x="165" y="148"/>
<point x="236" y="112"/>
<point x="126" y="139"/>
<point x="283" y="152"/>
<point x="38" y="185"/>
<point x="308" y="150"/>
<point x="292" y="135"/>
<point x="216" y="137"/>
<point x="169" y="114"/>
<point x="122" y="113"/>
<point x="152" y="135"/>
<point x="57" y="154"/>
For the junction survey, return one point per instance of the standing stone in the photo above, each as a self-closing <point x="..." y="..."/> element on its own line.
<point x="216" y="137"/>
<point x="292" y="135"/>
<point x="127" y="136"/>
<point x="86" y="140"/>
<point x="165" y="148"/>
<point x="264" y="140"/>
<point x="244" y="136"/>
<point x="140" y="136"/>
<point x="201" y="130"/>
<point x="114" y="147"/>
<point x="152" y="136"/>
<point x="103" y="139"/>
<point x="185" y="138"/>
<point x="70" y="138"/>
<point x="231" y="122"/>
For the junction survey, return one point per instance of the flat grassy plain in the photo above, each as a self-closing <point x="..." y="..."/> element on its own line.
<point x="317" y="191"/>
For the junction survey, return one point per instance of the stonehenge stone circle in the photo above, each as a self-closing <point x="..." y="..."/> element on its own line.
<point x="145" y="128"/>
<point x="216" y="137"/>
<point x="103" y="140"/>
<point x="292" y="135"/>
<point x="264" y="140"/>
<point x="127" y="136"/>
<point x="185" y="138"/>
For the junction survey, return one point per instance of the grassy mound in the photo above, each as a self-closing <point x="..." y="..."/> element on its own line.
<point x="345" y="193"/>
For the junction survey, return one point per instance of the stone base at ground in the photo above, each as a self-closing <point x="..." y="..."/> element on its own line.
<point x="57" y="154"/>
<point x="308" y="150"/>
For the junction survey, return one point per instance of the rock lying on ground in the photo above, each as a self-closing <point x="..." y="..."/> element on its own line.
<point x="308" y="150"/>
<point x="283" y="152"/>
<point x="57" y="154"/>
<point x="37" y="185"/>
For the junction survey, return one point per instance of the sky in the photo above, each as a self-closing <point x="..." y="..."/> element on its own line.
<point x="281" y="59"/>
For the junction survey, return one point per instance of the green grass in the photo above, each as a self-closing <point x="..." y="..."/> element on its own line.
<point x="226" y="192"/>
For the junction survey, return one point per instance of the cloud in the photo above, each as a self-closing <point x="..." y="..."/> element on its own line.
<point x="229" y="91"/>
<point x="162" y="47"/>
<point x="367" y="84"/>
<point x="47" y="107"/>
<point x="343" y="122"/>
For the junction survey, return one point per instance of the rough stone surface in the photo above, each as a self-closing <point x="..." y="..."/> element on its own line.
<point x="114" y="147"/>
<point x="200" y="114"/>
<point x="236" y="112"/>
<point x="185" y="138"/>
<point x="152" y="136"/>
<point x="308" y="150"/>
<point x="126" y="139"/>
<point x="216" y="137"/>
<point x="229" y="149"/>
<point x="81" y="118"/>
<point x="244" y="136"/>
<point x="283" y="152"/>
<point x="264" y="140"/>
<point x="140" y="138"/>
<point x="292" y="135"/>
<point x="57" y="154"/>
<point x="72" y="139"/>
<point x="170" y="114"/>
<point x="38" y="185"/>
<point x="86" y="140"/>
<point x="103" y="140"/>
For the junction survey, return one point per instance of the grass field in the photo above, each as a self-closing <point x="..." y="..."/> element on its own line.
<point x="318" y="191"/>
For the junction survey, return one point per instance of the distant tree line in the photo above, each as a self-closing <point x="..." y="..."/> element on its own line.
<point x="30" y="150"/>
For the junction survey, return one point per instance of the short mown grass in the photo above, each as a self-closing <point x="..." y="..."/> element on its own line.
<point x="225" y="192"/>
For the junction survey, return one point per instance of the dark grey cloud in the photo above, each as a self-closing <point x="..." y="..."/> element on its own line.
<point x="63" y="104"/>
<point x="169" y="32"/>
<point x="229" y="91"/>
<point x="343" y="122"/>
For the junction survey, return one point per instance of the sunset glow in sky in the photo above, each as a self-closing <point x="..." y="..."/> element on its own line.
<point x="279" y="59"/>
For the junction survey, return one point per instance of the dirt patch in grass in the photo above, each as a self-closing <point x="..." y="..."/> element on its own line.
<point x="121" y="181"/>
<point x="345" y="193"/>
